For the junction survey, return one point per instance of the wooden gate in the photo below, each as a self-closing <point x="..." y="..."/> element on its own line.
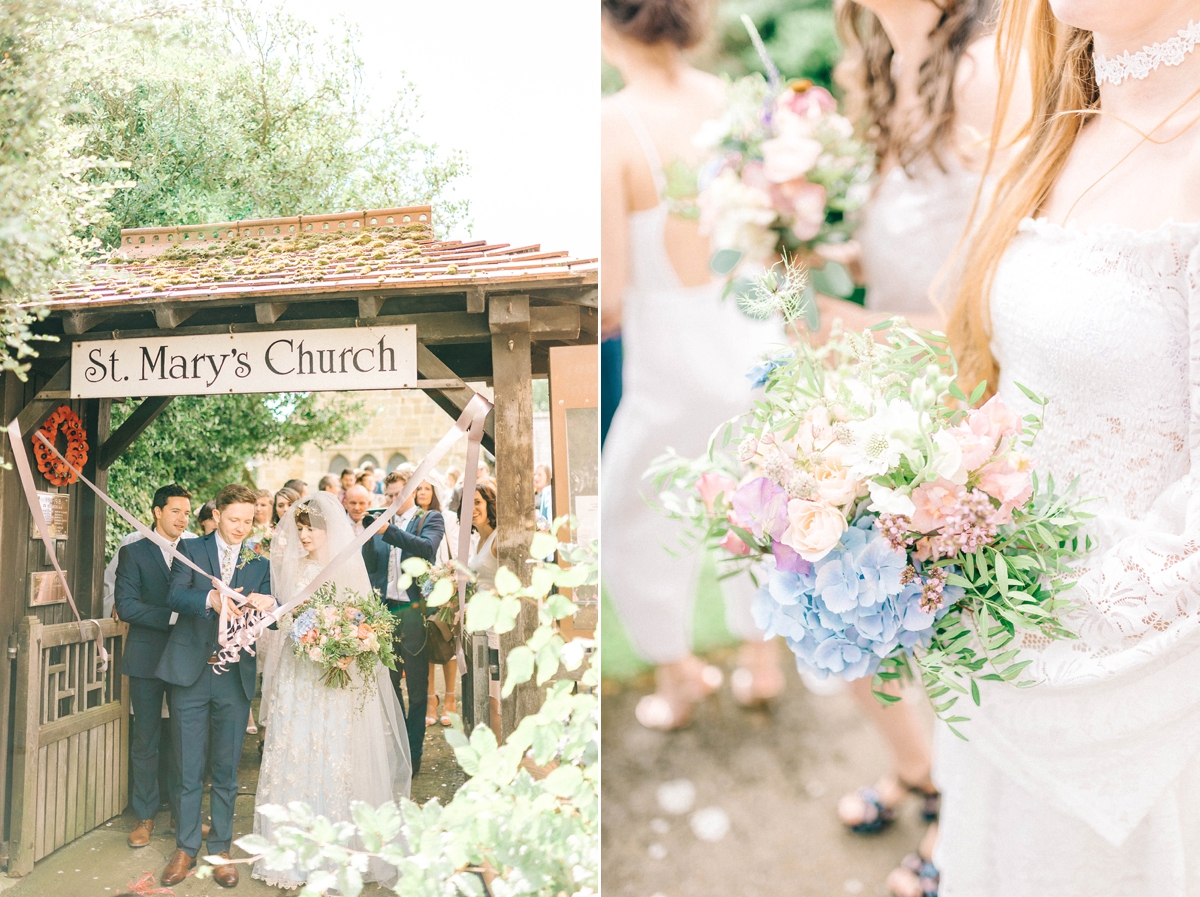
<point x="70" y="736"/>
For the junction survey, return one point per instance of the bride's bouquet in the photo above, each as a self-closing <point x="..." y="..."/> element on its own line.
<point x="894" y="521"/>
<point x="785" y="175"/>
<point x="339" y="632"/>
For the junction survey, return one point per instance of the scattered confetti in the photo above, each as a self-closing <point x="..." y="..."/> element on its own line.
<point x="853" y="886"/>
<point x="677" y="797"/>
<point x="659" y="826"/>
<point x="710" y="824"/>
<point x="657" y="852"/>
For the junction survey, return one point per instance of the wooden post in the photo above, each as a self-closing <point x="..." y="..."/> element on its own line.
<point x="516" y="518"/>
<point x="88" y="573"/>
<point x="25" y="748"/>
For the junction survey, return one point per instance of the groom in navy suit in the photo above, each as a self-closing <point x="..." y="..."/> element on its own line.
<point x="207" y="706"/>
<point x="142" y="582"/>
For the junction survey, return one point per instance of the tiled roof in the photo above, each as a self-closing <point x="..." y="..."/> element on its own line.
<point x="353" y="252"/>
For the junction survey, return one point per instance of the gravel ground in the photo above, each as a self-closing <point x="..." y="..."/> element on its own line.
<point x="763" y="821"/>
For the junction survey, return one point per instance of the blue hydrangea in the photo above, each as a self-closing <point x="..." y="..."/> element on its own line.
<point x="845" y="613"/>
<point x="304" y="624"/>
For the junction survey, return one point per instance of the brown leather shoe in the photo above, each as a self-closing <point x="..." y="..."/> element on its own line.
<point x="140" y="836"/>
<point x="226" y="876"/>
<point x="181" y="864"/>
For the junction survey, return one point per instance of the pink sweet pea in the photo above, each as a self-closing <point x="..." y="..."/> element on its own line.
<point x="710" y="485"/>
<point x="1008" y="479"/>
<point x="801" y="95"/>
<point x="734" y="545"/>
<point x="981" y="432"/>
<point x="934" y="502"/>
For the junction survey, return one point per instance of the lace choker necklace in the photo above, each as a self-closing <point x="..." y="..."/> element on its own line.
<point x="1139" y="65"/>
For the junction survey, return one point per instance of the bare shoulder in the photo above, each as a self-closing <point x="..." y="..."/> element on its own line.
<point x="977" y="92"/>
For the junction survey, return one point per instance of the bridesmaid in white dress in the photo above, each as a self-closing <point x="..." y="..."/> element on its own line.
<point x="1083" y="284"/>
<point x="686" y="353"/>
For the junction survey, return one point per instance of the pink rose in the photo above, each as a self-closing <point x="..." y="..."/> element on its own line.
<point x="801" y="95"/>
<point x="934" y="502"/>
<point x="789" y="158"/>
<point x="814" y="527"/>
<point x="834" y="483"/>
<point x="808" y="203"/>
<point x="1009" y="480"/>
<point x="364" y="631"/>
<point x="710" y="485"/>
<point x="1001" y="422"/>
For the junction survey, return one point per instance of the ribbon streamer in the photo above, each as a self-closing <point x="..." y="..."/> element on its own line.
<point x="39" y="520"/>
<point x="237" y="633"/>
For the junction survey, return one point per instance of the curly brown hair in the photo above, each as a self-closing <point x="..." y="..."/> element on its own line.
<point x="866" y="74"/>
<point x="488" y="491"/>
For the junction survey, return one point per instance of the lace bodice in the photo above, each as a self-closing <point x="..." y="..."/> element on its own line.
<point x="910" y="228"/>
<point x="1088" y="770"/>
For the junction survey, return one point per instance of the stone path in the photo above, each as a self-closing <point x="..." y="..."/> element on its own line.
<point x="766" y="787"/>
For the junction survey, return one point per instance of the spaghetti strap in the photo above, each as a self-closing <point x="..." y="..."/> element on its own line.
<point x="648" y="148"/>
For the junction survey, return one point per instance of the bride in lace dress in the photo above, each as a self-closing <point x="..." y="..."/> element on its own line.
<point x="1083" y="284"/>
<point x="326" y="746"/>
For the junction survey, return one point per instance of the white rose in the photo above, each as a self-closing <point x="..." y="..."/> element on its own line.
<point x="834" y="483"/>
<point x="788" y="158"/>
<point x="947" y="459"/>
<point x="814" y="527"/>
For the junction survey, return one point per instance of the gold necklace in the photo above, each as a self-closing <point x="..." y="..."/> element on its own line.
<point x="1145" y="137"/>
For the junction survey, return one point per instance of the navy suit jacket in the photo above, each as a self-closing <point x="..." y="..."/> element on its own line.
<point x="416" y="540"/>
<point x="143" y="581"/>
<point x="194" y="637"/>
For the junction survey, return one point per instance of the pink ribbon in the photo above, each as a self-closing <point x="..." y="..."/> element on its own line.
<point x="238" y="633"/>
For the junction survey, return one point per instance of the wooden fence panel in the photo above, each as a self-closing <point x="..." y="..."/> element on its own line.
<point x="71" y="731"/>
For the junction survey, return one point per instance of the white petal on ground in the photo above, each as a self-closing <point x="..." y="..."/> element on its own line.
<point x="677" y="797"/>
<point x="710" y="824"/>
<point x="657" y="852"/>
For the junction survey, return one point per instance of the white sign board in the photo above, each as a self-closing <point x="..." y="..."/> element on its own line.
<point x="349" y="358"/>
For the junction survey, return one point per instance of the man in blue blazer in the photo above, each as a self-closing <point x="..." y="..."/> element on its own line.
<point x="414" y="534"/>
<point x="140" y="593"/>
<point x="204" y="704"/>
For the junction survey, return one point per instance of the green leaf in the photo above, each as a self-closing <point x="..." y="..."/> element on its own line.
<point x="507" y="582"/>
<point x="543" y="546"/>
<point x="482" y="610"/>
<point x="833" y="280"/>
<point x="564" y="781"/>
<point x="520" y="668"/>
<point x="443" y="591"/>
<point x="724" y="261"/>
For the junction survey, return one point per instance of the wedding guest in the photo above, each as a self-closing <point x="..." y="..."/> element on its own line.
<point x="357" y="503"/>
<point x="543" y="495"/>
<point x="1082" y="283"/>
<point x="376" y="477"/>
<point x="415" y="533"/>
<point x="426" y="499"/>
<point x="298" y="486"/>
<point x="262" y="519"/>
<point x="284" y="499"/>
<point x="484" y="563"/>
<point x="142" y="583"/>
<point x="453" y="475"/>
<point x="686" y="353"/>
<point x="920" y="81"/>
<point x="346" y="480"/>
<point x="366" y="479"/>
<point x="205" y="519"/>
<point x="328" y="483"/>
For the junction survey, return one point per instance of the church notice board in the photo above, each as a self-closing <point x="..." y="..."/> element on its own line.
<point x="575" y="453"/>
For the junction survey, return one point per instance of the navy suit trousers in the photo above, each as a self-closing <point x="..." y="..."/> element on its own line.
<point x="145" y="738"/>
<point x="213" y="709"/>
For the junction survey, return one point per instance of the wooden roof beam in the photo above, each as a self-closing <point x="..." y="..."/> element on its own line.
<point x="170" y="318"/>
<point x="56" y="389"/>
<point x="77" y="322"/>
<point x="268" y="312"/>
<point x="123" y="438"/>
<point x="452" y="401"/>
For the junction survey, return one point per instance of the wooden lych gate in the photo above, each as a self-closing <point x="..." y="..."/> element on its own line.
<point x="482" y="312"/>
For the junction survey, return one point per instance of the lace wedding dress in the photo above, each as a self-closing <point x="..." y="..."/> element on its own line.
<point x="326" y="746"/>
<point x="1088" y="783"/>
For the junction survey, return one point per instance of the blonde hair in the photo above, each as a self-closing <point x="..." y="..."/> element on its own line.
<point x="1065" y="95"/>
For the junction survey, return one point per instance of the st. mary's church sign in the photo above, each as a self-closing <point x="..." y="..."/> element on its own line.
<point x="350" y="358"/>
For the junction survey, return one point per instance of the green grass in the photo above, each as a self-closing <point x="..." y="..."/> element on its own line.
<point x="621" y="662"/>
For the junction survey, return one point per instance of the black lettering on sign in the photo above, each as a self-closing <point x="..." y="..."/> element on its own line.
<point x="321" y="360"/>
<point x="158" y="362"/>
<point x="216" y="368"/>
<point x="112" y="365"/>
<point x="359" y="367"/>
<point x="243" y="363"/>
<point x="97" y="370"/>
<point x="267" y="358"/>
<point x="384" y="355"/>
<point x="178" y="363"/>
<point x="343" y="359"/>
<point x="304" y="353"/>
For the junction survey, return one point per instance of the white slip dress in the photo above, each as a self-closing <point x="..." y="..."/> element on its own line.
<point x="1089" y="783"/>
<point x="686" y="355"/>
<point x="910" y="229"/>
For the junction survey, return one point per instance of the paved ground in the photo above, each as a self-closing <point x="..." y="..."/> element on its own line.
<point x="100" y="864"/>
<point x="766" y="785"/>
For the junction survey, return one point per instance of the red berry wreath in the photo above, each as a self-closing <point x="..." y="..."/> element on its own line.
<point x="67" y="422"/>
